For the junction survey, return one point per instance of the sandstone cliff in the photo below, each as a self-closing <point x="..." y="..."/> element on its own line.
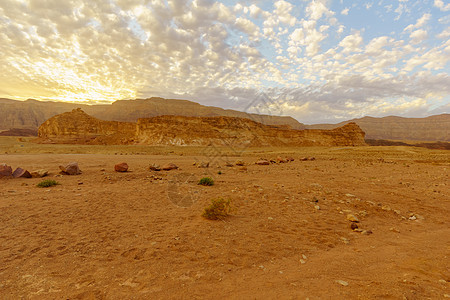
<point x="79" y="127"/>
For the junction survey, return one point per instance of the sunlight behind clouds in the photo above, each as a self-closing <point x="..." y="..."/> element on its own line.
<point x="321" y="60"/>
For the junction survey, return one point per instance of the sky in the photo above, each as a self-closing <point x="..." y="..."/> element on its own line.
<point x="315" y="60"/>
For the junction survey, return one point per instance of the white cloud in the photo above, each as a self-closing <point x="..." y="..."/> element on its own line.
<point x="345" y="11"/>
<point x="440" y="4"/>
<point x="351" y="43"/>
<point x="418" y="36"/>
<point x="420" y="22"/>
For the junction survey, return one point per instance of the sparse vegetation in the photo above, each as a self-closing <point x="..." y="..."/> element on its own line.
<point x="47" y="183"/>
<point x="220" y="172"/>
<point x="219" y="209"/>
<point x="207" y="181"/>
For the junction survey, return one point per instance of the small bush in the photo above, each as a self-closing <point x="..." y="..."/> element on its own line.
<point x="208" y="181"/>
<point x="47" y="183"/>
<point x="220" y="172"/>
<point x="219" y="209"/>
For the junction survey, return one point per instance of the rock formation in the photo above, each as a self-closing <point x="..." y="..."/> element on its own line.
<point x="79" y="127"/>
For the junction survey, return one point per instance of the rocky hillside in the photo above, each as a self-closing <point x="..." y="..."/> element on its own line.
<point x="79" y="127"/>
<point x="434" y="128"/>
<point x="31" y="114"/>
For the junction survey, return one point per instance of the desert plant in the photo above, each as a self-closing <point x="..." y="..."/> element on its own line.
<point x="219" y="209"/>
<point x="220" y="172"/>
<point x="47" y="183"/>
<point x="208" y="181"/>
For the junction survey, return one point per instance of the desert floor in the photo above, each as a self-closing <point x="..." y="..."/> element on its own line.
<point x="140" y="234"/>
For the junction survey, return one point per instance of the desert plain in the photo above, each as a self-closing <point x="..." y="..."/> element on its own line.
<point x="140" y="234"/>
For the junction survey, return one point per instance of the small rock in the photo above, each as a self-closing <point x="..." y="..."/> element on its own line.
<point x="342" y="282"/>
<point x="169" y="166"/>
<point x="228" y="164"/>
<point x="289" y="158"/>
<point x="386" y="208"/>
<point x="239" y="163"/>
<point x="203" y="165"/>
<point x="154" y="167"/>
<point x="352" y="218"/>
<point x="269" y="218"/>
<point x="353" y="226"/>
<point x="5" y="170"/>
<point x="243" y="169"/>
<point x="350" y="195"/>
<point x="281" y="160"/>
<point x="263" y="162"/>
<point x="71" y="169"/>
<point x="317" y="207"/>
<point x="122" y="167"/>
<point x="302" y="261"/>
<point x="366" y="232"/>
<point x="21" y="173"/>
<point x="39" y="173"/>
<point x="412" y="218"/>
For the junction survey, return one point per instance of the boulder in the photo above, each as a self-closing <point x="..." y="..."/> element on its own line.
<point x="39" y="173"/>
<point x="169" y="166"/>
<point x="263" y="162"/>
<point x="5" y="170"/>
<point x="71" y="169"/>
<point x="352" y="218"/>
<point x="122" y="167"/>
<point x="21" y="173"/>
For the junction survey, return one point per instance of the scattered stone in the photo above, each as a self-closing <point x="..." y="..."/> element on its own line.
<point x="154" y="167"/>
<point x="345" y="240"/>
<point x="412" y="218"/>
<point x="352" y="218"/>
<point x="342" y="282"/>
<point x="350" y="195"/>
<point x="39" y="173"/>
<point x="243" y="169"/>
<point x="386" y="208"/>
<point x="311" y="158"/>
<point x="302" y="261"/>
<point x="281" y="160"/>
<point x="122" y="167"/>
<point x="239" y="163"/>
<point x="263" y="162"/>
<point x="289" y="158"/>
<point x="71" y="169"/>
<point x="273" y="161"/>
<point x="203" y="165"/>
<point x="5" y="170"/>
<point x="366" y="232"/>
<point x="394" y="229"/>
<point x="269" y="218"/>
<point x="353" y="226"/>
<point x="317" y="207"/>
<point x="397" y="212"/>
<point x="169" y="166"/>
<point x="228" y="164"/>
<point x="21" y="173"/>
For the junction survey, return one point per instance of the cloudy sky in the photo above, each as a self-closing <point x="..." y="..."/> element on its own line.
<point x="315" y="60"/>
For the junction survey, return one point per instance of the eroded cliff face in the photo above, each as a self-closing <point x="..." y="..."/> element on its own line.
<point x="79" y="127"/>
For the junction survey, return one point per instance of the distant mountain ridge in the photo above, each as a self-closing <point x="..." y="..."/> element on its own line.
<point x="433" y="128"/>
<point x="30" y="114"/>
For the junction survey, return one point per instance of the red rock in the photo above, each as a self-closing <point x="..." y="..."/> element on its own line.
<point x="289" y="158"/>
<point x="122" y="167"/>
<point x="168" y="167"/>
<point x="263" y="162"/>
<point x="71" y="169"/>
<point x="21" y="173"/>
<point x="154" y="167"/>
<point x="5" y="170"/>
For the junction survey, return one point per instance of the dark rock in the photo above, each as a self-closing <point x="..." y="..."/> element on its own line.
<point x="240" y="163"/>
<point x="5" y="170"/>
<point x="122" y="167"/>
<point x="21" y="173"/>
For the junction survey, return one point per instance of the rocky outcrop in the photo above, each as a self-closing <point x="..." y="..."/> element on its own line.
<point x="79" y="127"/>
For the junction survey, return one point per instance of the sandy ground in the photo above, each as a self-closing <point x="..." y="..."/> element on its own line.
<point x="140" y="234"/>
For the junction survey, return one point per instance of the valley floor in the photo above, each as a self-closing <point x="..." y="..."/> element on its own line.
<point x="140" y="234"/>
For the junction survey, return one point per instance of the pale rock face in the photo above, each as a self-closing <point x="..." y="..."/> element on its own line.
<point x="77" y="127"/>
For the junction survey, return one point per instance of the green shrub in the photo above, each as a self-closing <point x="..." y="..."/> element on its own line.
<point x="219" y="209"/>
<point x="208" y="181"/>
<point x="47" y="183"/>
